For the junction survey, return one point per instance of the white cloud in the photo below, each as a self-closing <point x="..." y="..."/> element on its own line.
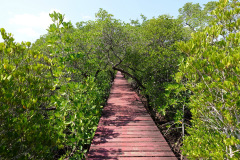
<point x="41" y="20"/>
<point x="31" y="25"/>
<point x="28" y="32"/>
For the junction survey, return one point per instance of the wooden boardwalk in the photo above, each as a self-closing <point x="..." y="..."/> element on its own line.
<point x="126" y="130"/>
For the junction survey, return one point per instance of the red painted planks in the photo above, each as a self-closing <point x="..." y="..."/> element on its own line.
<point x="133" y="118"/>
<point x="138" y="149"/>
<point x="135" y="158"/>
<point x="123" y="144"/>
<point x="126" y="123"/>
<point x="128" y="140"/>
<point x="129" y="135"/>
<point x="126" y="130"/>
<point x="130" y="154"/>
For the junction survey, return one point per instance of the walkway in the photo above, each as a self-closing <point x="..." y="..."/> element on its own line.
<point x="126" y="130"/>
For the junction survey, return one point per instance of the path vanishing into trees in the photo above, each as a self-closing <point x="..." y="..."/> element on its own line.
<point x="126" y="130"/>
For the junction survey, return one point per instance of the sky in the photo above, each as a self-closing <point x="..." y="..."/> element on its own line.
<point x="27" y="20"/>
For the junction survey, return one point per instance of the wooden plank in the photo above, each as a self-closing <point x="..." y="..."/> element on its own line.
<point x="111" y="133"/>
<point x="126" y="130"/>
<point x="135" y="158"/>
<point x="122" y="144"/>
<point x="131" y="154"/>
<point x="134" y="140"/>
<point x="138" y="149"/>
<point x="107" y="132"/>
<point x="129" y="135"/>
<point x="133" y="118"/>
<point x="126" y="123"/>
<point x="132" y="121"/>
<point x="130" y="112"/>
<point x="139" y="128"/>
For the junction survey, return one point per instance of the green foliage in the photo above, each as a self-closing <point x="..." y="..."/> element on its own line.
<point x="195" y="17"/>
<point x="211" y="70"/>
<point x="23" y="82"/>
<point x="155" y="60"/>
<point x="49" y="106"/>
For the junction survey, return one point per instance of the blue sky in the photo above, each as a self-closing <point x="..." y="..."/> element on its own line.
<point x="28" y="19"/>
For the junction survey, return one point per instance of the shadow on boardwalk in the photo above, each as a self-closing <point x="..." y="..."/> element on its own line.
<point x="126" y="130"/>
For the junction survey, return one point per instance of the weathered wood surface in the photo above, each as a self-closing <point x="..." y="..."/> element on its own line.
<point x="126" y="130"/>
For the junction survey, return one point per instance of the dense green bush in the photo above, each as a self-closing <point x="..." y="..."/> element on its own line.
<point x="48" y="110"/>
<point x="211" y="73"/>
<point x="153" y="61"/>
